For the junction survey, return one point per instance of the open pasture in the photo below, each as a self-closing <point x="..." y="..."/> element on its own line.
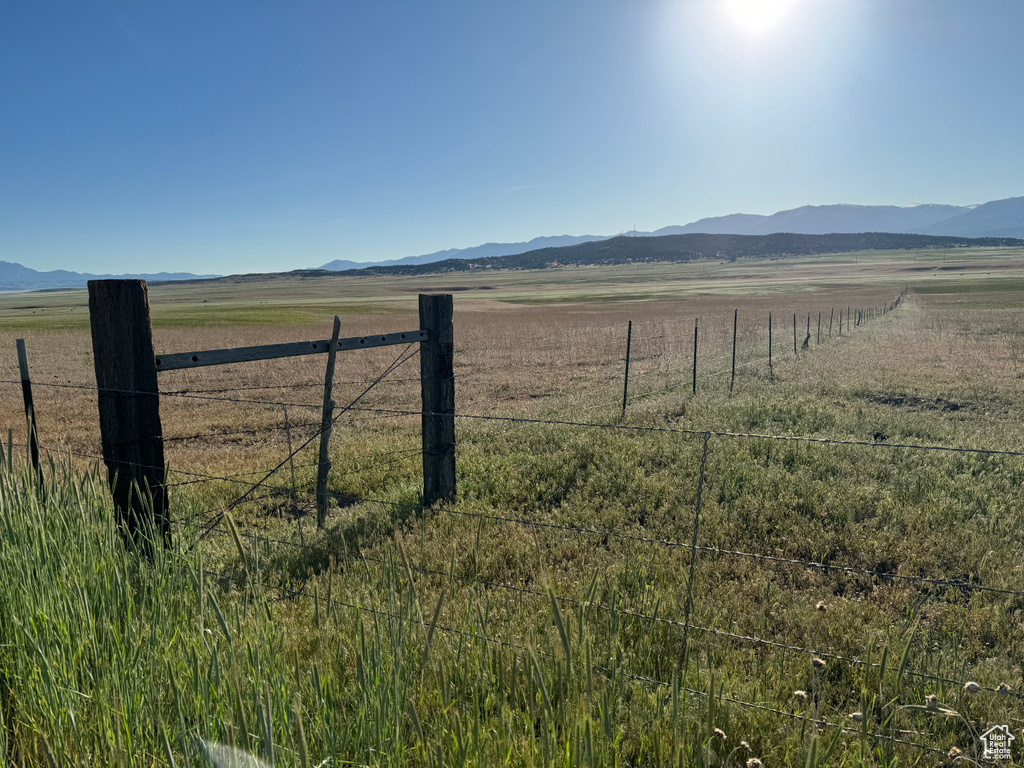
<point x="570" y="606"/>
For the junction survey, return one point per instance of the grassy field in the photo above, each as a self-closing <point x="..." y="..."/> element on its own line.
<point x="842" y="593"/>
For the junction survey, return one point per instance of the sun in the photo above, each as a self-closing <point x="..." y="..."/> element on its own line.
<point x="758" y="17"/>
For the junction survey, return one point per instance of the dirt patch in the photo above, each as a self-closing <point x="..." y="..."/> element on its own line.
<point x="920" y="403"/>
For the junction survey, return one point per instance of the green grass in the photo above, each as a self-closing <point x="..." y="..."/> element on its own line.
<point x="976" y="286"/>
<point x="538" y="618"/>
<point x="105" y="656"/>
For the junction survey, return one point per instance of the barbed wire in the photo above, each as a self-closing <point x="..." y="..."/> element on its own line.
<point x="622" y="427"/>
<point x="244" y="431"/>
<point x="696" y="432"/>
<point x="668" y="543"/>
<point x="652" y="682"/>
<point x="717" y="551"/>
<point x="284" y="386"/>
<point x="403" y="357"/>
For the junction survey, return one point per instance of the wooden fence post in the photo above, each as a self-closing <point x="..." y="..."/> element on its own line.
<point x="437" y="389"/>
<point x="326" y="420"/>
<point x="696" y="320"/>
<point x="794" y="333"/>
<point x="830" y="316"/>
<point x="129" y="406"/>
<point x="32" y="442"/>
<point x="625" y="385"/>
<point x="819" y="327"/>
<point x="735" y="321"/>
<point x="291" y="453"/>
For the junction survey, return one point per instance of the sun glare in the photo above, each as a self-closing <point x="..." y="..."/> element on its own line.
<point x="758" y="17"/>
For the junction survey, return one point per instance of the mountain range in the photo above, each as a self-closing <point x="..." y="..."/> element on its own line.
<point x="994" y="219"/>
<point x="15" y="277"/>
<point x="998" y="218"/>
<point x="487" y="250"/>
<point x="681" y="248"/>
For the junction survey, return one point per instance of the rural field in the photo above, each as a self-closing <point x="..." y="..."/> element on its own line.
<point x="815" y="563"/>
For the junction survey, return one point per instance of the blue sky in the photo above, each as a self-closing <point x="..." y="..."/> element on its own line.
<point x="257" y="136"/>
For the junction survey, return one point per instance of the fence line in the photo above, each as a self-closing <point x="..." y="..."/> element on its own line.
<point x="403" y="357"/>
<point x="751" y="639"/>
<point x="694" y="547"/>
<point x="653" y="682"/>
<point x="713" y="432"/>
<point x="667" y="543"/>
<point x="621" y="427"/>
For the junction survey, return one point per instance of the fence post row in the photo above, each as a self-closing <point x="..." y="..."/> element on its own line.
<point x="129" y="409"/>
<point x="129" y="400"/>
<point x="30" y="410"/>
<point x="437" y="389"/>
<point x="129" y="405"/>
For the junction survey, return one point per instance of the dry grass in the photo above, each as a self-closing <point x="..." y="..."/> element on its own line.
<point x="943" y="369"/>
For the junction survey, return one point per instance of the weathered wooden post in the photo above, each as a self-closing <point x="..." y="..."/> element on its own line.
<point x="326" y="422"/>
<point x="696" y="320"/>
<point x="437" y="390"/>
<point x="625" y="385"/>
<point x="129" y="406"/>
<point x="32" y="442"/>
<point x="735" y="321"/>
<point x="830" y="316"/>
<point x="794" y="333"/>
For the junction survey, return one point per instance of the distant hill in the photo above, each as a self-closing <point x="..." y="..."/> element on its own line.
<point x="15" y="277"/>
<point x="476" y="252"/>
<point x="826" y="219"/>
<point x="687" y="247"/>
<point x="999" y="218"/>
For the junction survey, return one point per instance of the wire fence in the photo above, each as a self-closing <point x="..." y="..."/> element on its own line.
<point x="203" y="523"/>
<point x="820" y="720"/>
